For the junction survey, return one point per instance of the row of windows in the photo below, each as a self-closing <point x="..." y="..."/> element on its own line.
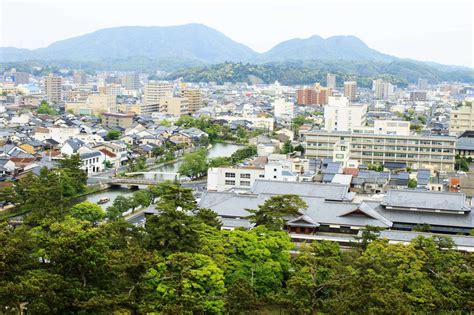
<point x="91" y="161"/>
<point x="230" y="182"/>
<point x="232" y="175"/>
<point x="383" y="140"/>
<point x="410" y="156"/>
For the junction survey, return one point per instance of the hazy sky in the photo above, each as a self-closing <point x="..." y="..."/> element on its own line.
<point x="432" y="30"/>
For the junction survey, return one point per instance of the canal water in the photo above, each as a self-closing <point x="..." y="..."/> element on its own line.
<point x="219" y="149"/>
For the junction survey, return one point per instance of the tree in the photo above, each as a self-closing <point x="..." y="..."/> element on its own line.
<point x="208" y="217"/>
<point x="271" y="214"/>
<point x="461" y="163"/>
<point x="194" y="164"/>
<point x="259" y="257"/>
<point x="412" y="183"/>
<point x="113" y="134"/>
<point x="185" y="282"/>
<point x="287" y="147"/>
<point x="173" y="231"/>
<point x="122" y="204"/>
<point x="40" y="196"/>
<point x="317" y="279"/>
<point x="390" y="278"/>
<point x="173" y="196"/>
<point x="300" y="148"/>
<point x="369" y="234"/>
<point x="45" y="109"/>
<point x="141" y="198"/>
<point x="73" y="178"/>
<point x="88" y="211"/>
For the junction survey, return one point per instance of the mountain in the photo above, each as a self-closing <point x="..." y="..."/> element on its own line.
<point x="185" y="42"/>
<point x="317" y="48"/>
<point x="195" y="51"/>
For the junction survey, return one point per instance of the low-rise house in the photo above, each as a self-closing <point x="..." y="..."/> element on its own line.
<point x="92" y="162"/>
<point x="72" y="146"/>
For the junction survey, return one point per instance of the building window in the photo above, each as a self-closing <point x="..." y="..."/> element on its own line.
<point x="230" y="175"/>
<point x="230" y="182"/>
<point x="244" y="183"/>
<point x="246" y="175"/>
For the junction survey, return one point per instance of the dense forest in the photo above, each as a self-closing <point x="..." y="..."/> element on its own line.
<point x="400" y="72"/>
<point x="78" y="259"/>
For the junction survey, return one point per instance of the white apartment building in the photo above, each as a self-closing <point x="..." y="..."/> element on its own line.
<point x="225" y="178"/>
<point x="383" y="90"/>
<point x="154" y="92"/>
<point x="417" y="152"/>
<point x="278" y="168"/>
<point x="461" y="119"/>
<point x="282" y="108"/>
<point x="340" y="115"/>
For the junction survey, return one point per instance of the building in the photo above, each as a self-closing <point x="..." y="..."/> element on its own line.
<point x="461" y="120"/>
<point x="392" y="127"/>
<point x="316" y="95"/>
<point x="225" y="178"/>
<point x="17" y="77"/>
<point x="331" y="81"/>
<point x="53" y="88"/>
<point x="306" y="96"/>
<point x="382" y="90"/>
<point x="350" y="90"/>
<point x="282" y="108"/>
<point x="339" y="115"/>
<point x="154" y="92"/>
<point x="122" y="120"/>
<point x="418" y="96"/>
<point x="177" y="106"/>
<point x="194" y="99"/>
<point x="112" y="89"/>
<point x="92" y="162"/>
<point x="131" y="81"/>
<point x="265" y="123"/>
<point x="79" y="77"/>
<point x="422" y="84"/>
<point x="95" y="105"/>
<point x="417" y="152"/>
<point x="333" y="214"/>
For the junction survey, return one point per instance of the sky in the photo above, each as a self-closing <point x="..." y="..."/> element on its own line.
<point x="427" y="30"/>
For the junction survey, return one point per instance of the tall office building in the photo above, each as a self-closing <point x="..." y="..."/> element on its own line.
<point x="331" y="81"/>
<point x="422" y="84"/>
<point x="131" y="81"/>
<point x="53" y="88"/>
<point x="79" y="77"/>
<point x="350" y="90"/>
<point x="194" y="98"/>
<point x="154" y="92"/>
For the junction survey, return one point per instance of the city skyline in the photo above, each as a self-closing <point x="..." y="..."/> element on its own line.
<point x="431" y="31"/>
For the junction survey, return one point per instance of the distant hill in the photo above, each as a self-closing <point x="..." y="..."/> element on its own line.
<point x="399" y="72"/>
<point x="194" y="48"/>
<point x="189" y="42"/>
<point x="317" y="48"/>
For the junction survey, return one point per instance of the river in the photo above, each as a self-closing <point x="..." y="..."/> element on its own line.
<point x="219" y="149"/>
